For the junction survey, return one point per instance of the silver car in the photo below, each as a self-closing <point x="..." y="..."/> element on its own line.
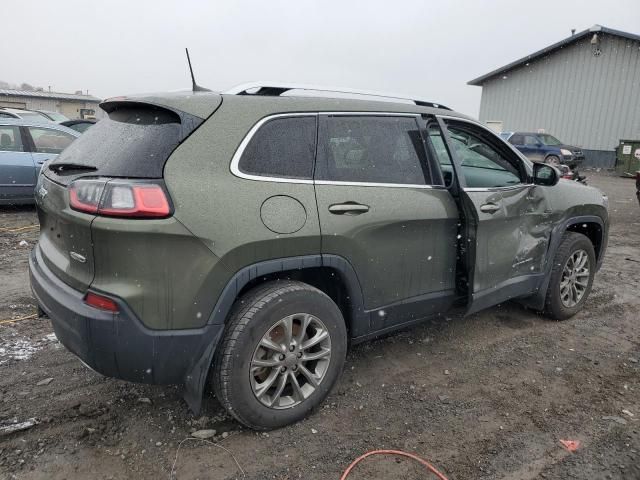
<point x="25" y="145"/>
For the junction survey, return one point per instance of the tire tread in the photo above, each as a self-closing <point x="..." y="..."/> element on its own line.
<point x="242" y="313"/>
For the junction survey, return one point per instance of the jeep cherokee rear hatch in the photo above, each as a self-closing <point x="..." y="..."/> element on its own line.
<point x="115" y="169"/>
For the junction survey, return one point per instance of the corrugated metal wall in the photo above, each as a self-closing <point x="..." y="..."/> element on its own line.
<point x="52" y="104"/>
<point x="585" y="100"/>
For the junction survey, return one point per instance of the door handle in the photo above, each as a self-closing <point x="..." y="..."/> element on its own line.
<point x="41" y="162"/>
<point x="348" y="208"/>
<point x="489" y="208"/>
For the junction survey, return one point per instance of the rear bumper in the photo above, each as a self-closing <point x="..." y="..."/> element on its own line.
<point x="119" y="345"/>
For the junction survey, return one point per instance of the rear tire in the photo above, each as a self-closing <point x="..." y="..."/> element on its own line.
<point x="267" y="370"/>
<point x="572" y="275"/>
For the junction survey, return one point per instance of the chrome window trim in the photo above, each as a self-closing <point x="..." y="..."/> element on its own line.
<point x="235" y="161"/>
<point x="497" y="189"/>
<point x="373" y="184"/>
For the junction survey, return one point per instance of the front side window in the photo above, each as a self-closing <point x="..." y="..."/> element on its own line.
<point x="549" y="139"/>
<point x="436" y="143"/>
<point x="47" y="140"/>
<point x="10" y="139"/>
<point x="371" y="149"/>
<point x="483" y="165"/>
<point x="282" y="147"/>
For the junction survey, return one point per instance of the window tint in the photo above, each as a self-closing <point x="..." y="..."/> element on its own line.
<point x="133" y="141"/>
<point x="482" y="165"/>
<point x="282" y="147"/>
<point x="531" y="140"/>
<point x="373" y="150"/>
<point x="47" y="140"/>
<point x="10" y="139"/>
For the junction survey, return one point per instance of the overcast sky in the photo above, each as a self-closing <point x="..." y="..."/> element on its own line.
<point x="426" y="49"/>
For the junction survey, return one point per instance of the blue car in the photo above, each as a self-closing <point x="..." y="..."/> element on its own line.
<point x="24" y="146"/>
<point x="545" y="148"/>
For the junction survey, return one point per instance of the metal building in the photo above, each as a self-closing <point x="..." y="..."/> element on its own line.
<point x="73" y="105"/>
<point x="585" y="90"/>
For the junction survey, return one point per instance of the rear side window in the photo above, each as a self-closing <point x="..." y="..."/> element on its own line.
<point x="370" y="149"/>
<point x="282" y="147"/>
<point x="10" y="139"/>
<point x="516" y="140"/>
<point x="133" y="141"/>
<point x="47" y="140"/>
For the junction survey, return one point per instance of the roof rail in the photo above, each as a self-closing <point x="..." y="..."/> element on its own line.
<point x="276" y="89"/>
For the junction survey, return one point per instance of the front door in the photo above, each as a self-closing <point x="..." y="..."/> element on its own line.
<point x="380" y="211"/>
<point x="17" y="172"/>
<point x="509" y="234"/>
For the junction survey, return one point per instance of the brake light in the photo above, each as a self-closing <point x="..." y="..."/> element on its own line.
<point x="101" y="302"/>
<point x="119" y="198"/>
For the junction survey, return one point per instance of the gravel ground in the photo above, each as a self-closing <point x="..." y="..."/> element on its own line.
<point x="484" y="397"/>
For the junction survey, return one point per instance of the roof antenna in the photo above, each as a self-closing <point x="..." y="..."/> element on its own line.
<point x="196" y="87"/>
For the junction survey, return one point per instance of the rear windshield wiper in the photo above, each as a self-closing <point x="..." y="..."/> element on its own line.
<point x="60" y="167"/>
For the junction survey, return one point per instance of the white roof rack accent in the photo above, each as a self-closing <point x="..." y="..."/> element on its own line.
<point x="276" y="89"/>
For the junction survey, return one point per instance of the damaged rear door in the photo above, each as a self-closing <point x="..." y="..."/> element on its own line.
<point x="508" y="226"/>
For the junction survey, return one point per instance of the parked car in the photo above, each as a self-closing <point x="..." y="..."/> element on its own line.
<point x="25" y="146"/>
<point x="78" y="125"/>
<point x="248" y="239"/>
<point x="53" y="116"/>
<point x="542" y="147"/>
<point x="23" y="114"/>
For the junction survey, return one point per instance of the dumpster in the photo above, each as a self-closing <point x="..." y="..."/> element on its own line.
<point x="628" y="158"/>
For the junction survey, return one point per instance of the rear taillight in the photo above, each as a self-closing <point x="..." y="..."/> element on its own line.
<point x="119" y="198"/>
<point x="101" y="302"/>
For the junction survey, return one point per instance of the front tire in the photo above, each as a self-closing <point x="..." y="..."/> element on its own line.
<point x="572" y="275"/>
<point x="282" y="351"/>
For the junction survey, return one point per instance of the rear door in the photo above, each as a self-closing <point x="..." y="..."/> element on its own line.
<point x="380" y="210"/>
<point x="17" y="173"/>
<point x="508" y="231"/>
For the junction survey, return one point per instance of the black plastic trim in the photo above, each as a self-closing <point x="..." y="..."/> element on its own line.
<point x="118" y="344"/>
<point x="537" y="300"/>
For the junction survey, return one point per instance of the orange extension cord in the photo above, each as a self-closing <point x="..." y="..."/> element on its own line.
<point x="400" y="453"/>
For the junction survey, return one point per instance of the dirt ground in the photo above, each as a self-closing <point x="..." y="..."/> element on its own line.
<point x="484" y="397"/>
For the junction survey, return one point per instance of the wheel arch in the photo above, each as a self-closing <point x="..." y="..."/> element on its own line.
<point x="593" y="227"/>
<point x="332" y="274"/>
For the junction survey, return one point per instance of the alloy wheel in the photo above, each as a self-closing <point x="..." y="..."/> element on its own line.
<point x="575" y="279"/>
<point x="291" y="361"/>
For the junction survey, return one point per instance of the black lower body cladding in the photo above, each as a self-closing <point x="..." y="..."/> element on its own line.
<point x="118" y="345"/>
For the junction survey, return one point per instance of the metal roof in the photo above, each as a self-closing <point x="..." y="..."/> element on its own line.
<point x="61" y="96"/>
<point x="551" y="48"/>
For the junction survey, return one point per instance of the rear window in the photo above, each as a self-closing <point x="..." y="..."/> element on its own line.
<point x="283" y="147"/>
<point x="133" y="141"/>
<point x="48" y="140"/>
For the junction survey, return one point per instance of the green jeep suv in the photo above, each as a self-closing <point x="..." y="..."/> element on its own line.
<point x="247" y="238"/>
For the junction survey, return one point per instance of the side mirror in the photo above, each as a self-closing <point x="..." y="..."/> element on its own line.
<point x="545" y="175"/>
